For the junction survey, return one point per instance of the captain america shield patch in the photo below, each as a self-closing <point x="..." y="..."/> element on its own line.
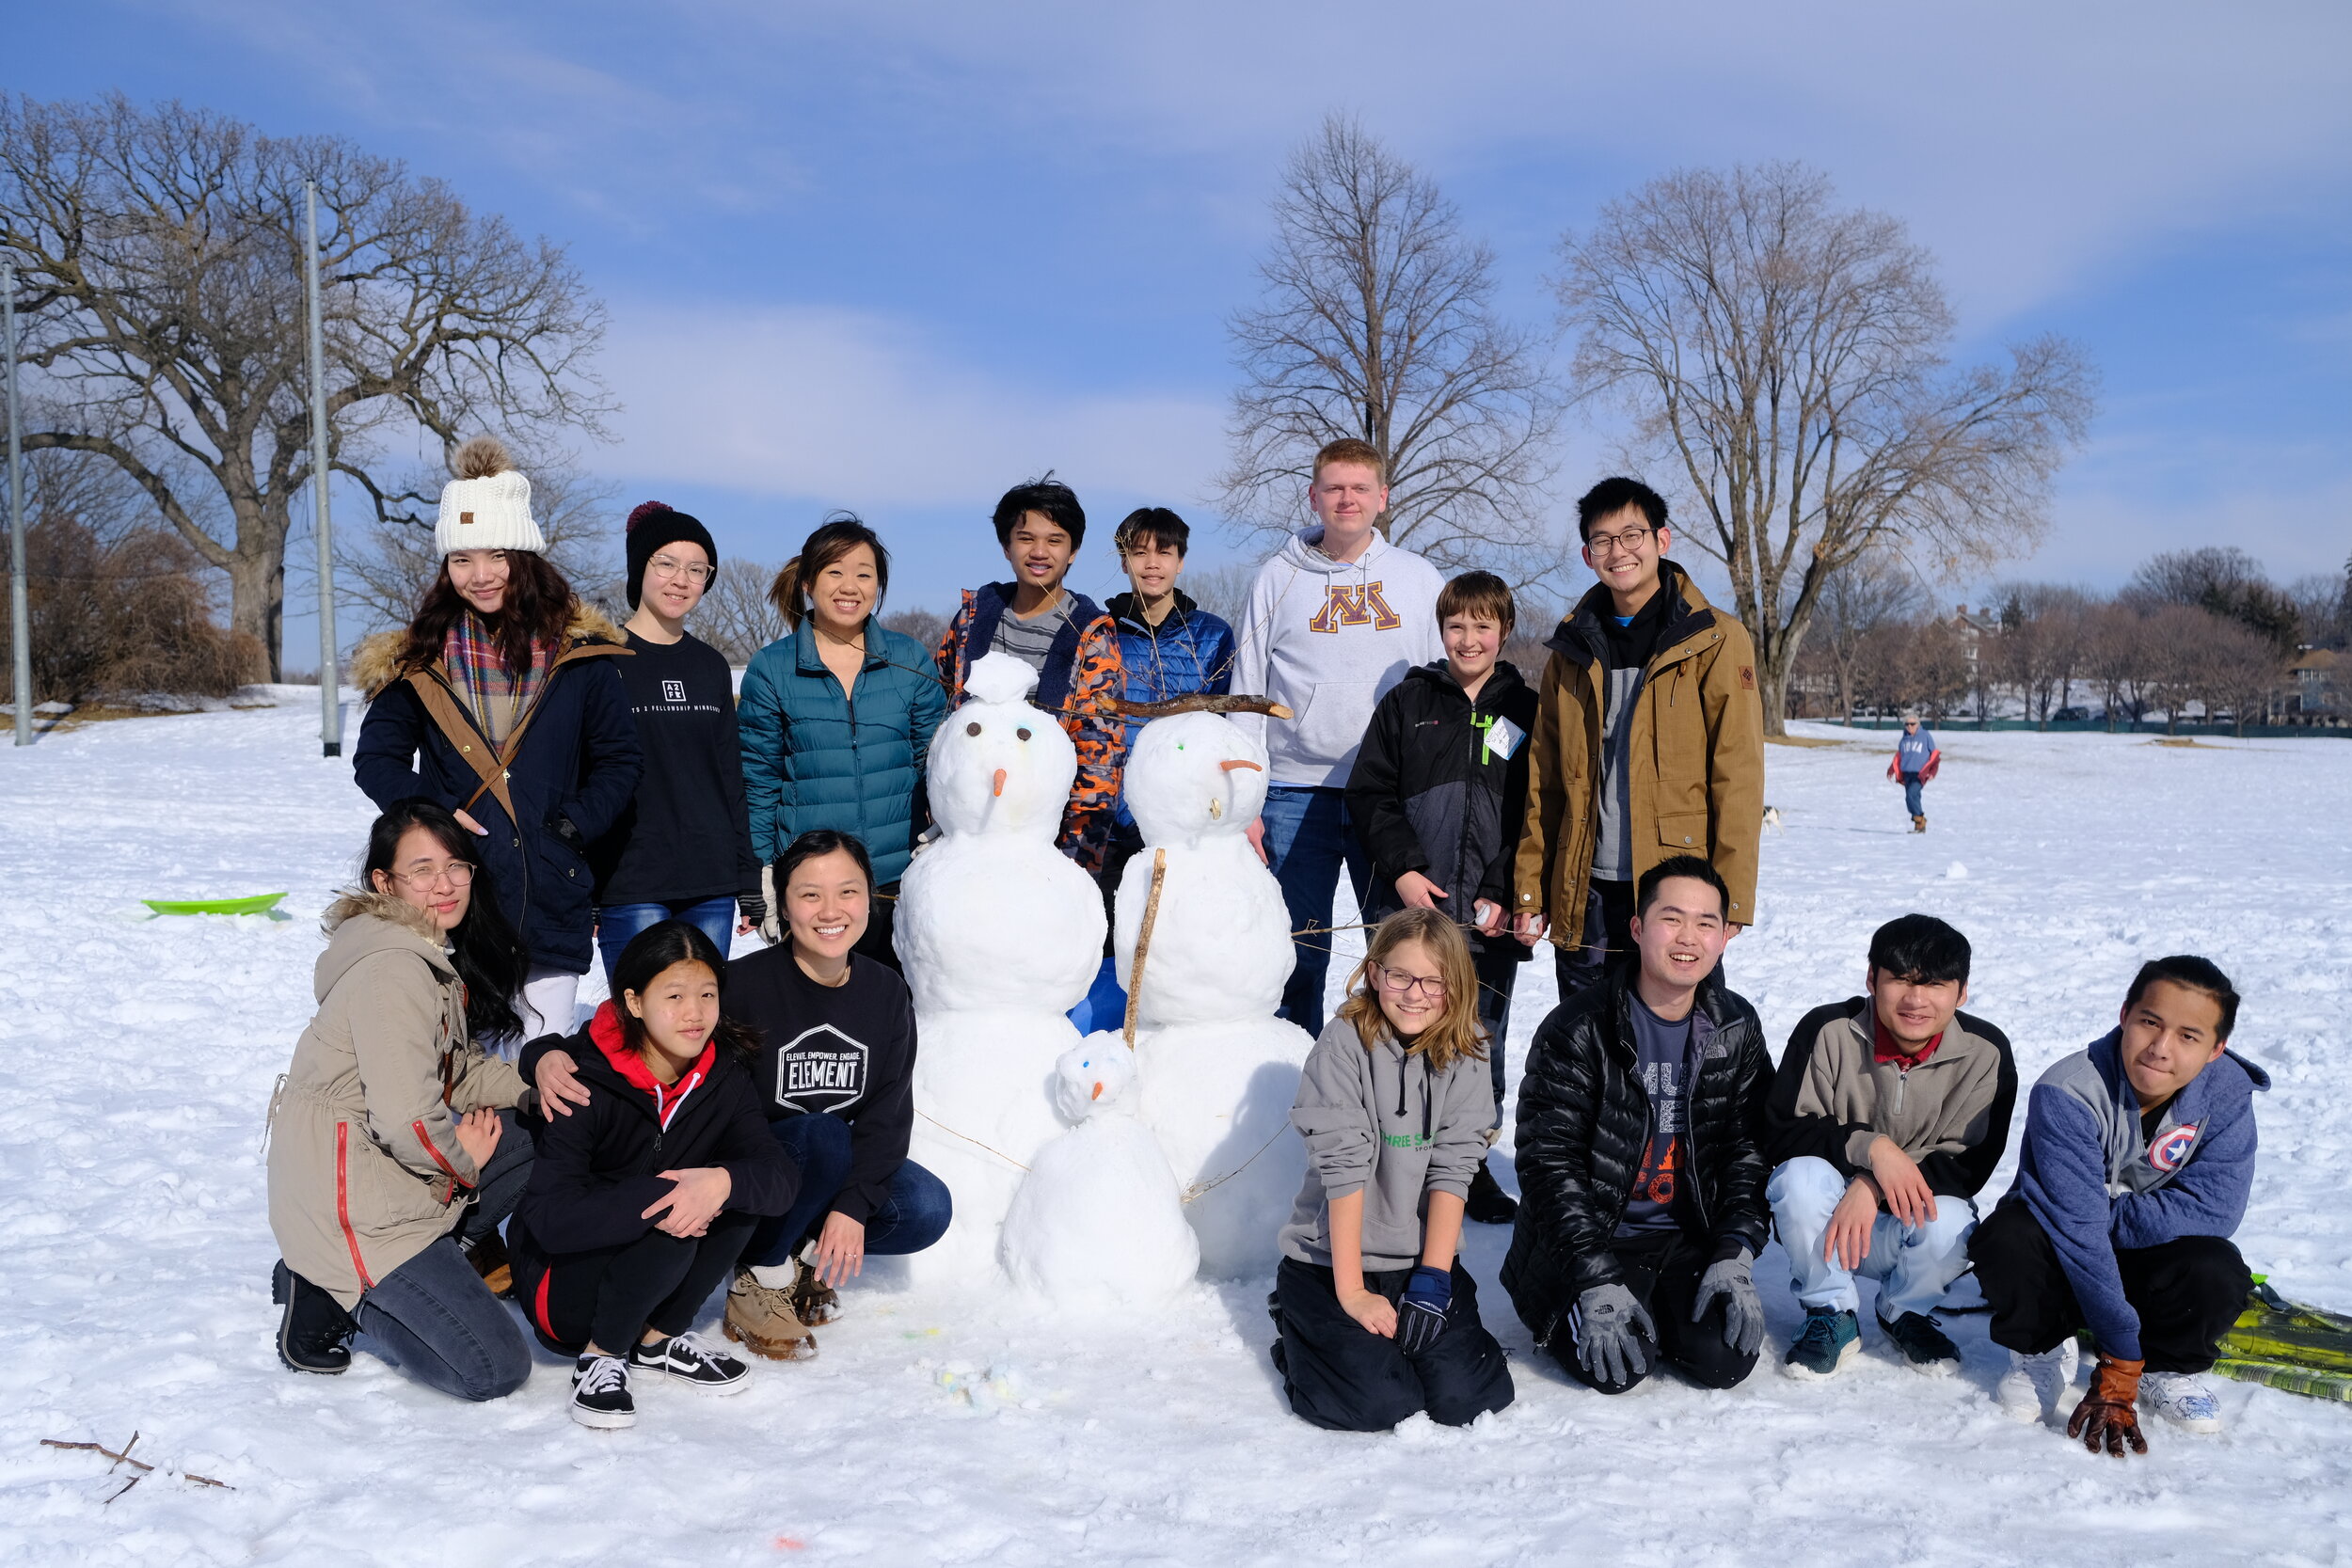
<point x="2171" y="1149"/>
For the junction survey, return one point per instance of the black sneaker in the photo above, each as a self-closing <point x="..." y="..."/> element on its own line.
<point x="690" y="1359"/>
<point x="314" y="1332"/>
<point x="1489" y="1204"/>
<point x="1923" y="1343"/>
<point x="600" y="1396"/>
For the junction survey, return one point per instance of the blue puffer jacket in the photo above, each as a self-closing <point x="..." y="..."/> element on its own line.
<point x="578" y="765"/>
<point x="815" y="756"/>
<point x="1189" y="651"/>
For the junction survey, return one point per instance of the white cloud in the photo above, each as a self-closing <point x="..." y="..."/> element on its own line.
<point x="857" y="409"/>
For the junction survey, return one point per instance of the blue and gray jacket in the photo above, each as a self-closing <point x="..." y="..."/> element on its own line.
<point x="1190" y="651"/>
<point x="2095" y="1184"/>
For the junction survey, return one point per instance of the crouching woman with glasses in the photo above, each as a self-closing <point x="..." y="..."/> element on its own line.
<point x="394" y="1149"/>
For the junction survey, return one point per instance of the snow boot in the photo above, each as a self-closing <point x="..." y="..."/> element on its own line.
<point x="1919" y="824"/>
<point x="760" y="1318"/>
<point x="1925" y="1345"/>
<point x="600" y="1397"/>
<point x="2181" y="1398"/>
<point x="694" y="1361"/>
<point x="2033" y="1385"/>
<point x="1489" y="1204"/>
<point x="814" y="1302"/>
<point x="314" y="1332"/>
<point x="1830" y="1337"/>
<point x="487" y="1254"/>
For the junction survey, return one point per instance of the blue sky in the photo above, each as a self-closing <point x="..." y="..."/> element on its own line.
<point x="895" y="256"/>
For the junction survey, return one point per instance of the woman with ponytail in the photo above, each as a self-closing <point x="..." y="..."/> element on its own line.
<point x="500" y="703"/>
<point x="683" y="849"/>
<point x="837" y="718"/>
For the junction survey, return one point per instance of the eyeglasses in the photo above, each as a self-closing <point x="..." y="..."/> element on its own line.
<point x="458" y="873"/>
<point x="1401" y="984"/>
<point x="1606" y="545"/>
<point x="663" y="566"/>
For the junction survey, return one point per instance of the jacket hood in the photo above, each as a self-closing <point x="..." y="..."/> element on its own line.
<point x="1127" y="608"/>
<point x="1502" y="680"/>
<point x="613" y="1053"/>
<point x="2207" y="1087"/>
<point x="1692" y="612"/>
<point x="360" y="925"/>
<point x="376" y="662"/>
<point x="1304" y="550"/>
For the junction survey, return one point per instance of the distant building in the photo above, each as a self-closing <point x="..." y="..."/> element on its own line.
<point x="2315" y="687"/>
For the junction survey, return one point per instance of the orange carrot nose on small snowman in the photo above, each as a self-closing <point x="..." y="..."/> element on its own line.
<point x="998" y="789"/>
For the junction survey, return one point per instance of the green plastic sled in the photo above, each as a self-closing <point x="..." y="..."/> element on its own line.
<point x="260" y="903"/>
<point x="2286" y="1345"/>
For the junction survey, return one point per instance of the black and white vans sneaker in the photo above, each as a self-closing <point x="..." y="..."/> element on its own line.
<point x="694" y="1361"/>
<point x="600" y="1393"/>
<point x="314" y="1332"/>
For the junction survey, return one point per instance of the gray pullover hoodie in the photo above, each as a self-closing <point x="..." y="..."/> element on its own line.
<point x="1327" y="638"/>
<point x="1378" y="1120"/>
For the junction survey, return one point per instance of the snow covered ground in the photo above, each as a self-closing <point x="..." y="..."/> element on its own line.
<point x="134" y="1253"/>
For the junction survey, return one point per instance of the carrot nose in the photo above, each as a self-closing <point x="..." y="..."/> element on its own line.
<point x="1000" y="783"/>
<point x="1096" y="1094"/>
<point x="1231" y="763"/>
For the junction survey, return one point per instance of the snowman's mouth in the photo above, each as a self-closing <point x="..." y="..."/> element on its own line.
<point x="1231" y="763"/>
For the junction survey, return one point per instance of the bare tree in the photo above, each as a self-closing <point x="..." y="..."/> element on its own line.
<point x="2323" y="603"/>
<point x="2222" y="580"/>
<point x="1783" y="362"/>
<point x="160" y="252"/>
<point x="2041" y="644"/>
<point x="735" y="616"/>
<point x="1877" y="592"/>
<point x="1377" y="322"/>
<point x="2239" y="672"/>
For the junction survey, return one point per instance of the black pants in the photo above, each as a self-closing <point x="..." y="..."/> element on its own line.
<point x="1608" y="937"/>
<point x="2187" y="1293"/>
<point x="882" y="919"/>
<point x="1342" y="1377"/>
<point x="612" y="1296"/>
<point x="1663" y="1272"/>
<point x="1498" y="971"/>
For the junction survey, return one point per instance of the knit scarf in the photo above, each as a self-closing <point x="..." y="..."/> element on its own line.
<point x="495" y="695"/>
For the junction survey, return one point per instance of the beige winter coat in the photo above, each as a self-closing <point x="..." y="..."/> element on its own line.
<point x="365" y="1169"/>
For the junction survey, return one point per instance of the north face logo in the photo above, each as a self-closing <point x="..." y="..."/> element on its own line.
<point x="673" y="692"/>
<point x="1355" y="607"/>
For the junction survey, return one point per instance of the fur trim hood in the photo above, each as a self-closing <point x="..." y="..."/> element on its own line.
<point x="376" y="662"/>
<point x="361" y="924"/>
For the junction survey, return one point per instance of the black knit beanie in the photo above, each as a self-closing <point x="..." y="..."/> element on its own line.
<point x="654" y="525"/>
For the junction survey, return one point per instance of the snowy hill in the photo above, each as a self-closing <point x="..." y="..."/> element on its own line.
<point x="135" y="1249"/>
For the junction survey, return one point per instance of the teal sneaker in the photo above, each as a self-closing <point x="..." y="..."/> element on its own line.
<point x="1828" y="1339"/>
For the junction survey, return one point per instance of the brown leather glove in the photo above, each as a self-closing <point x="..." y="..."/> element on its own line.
<point x="2109" y="1416"/>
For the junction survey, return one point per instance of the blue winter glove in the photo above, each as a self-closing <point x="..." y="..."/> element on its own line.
<point x="1614" y="1333"/>
<point x="1421" y="1310"/>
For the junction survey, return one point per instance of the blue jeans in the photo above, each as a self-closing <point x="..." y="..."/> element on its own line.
<point x="1911" y="794"/>
<point x="616" y="924"/>
<point x="1913" y="1264"/>
<point x="912" y="1216"/>
<point x="441" y="1325"/>
<point x="1309" y="837"/>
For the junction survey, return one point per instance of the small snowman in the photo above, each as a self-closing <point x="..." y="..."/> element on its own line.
<point x="1097" y="1224"/>
<point x="1000" y="935"/>
<point x="1220" y="1070"/>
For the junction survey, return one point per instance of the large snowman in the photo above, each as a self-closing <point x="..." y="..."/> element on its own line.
<point x="1000" y="935"/>
<point x="1219" y="1071"/>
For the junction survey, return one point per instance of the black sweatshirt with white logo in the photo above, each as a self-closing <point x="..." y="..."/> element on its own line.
<point x="846" y="1050"/>
<point x="687" y="836"/>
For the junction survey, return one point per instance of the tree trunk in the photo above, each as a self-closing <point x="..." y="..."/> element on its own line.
<point x="257" y="608"/>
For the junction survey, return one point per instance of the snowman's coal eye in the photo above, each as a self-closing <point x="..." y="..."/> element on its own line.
<point x="1021" y="733"/>
<point x="973" y="728"/>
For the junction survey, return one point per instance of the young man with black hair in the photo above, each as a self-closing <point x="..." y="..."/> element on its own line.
<point x="2135" y="1166"/>
<point x="1641" y="1161"/>
<point x="1887" y="1115"/>
<point x="1168" y="646"/>
<point x="1649" y="741"/>
<point x="1336" y="617"/>
<point x="1069" y="639"/>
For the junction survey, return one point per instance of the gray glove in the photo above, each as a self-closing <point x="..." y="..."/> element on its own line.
<point x="1743" y="1311"/>
<point x="1614" y="1333"/>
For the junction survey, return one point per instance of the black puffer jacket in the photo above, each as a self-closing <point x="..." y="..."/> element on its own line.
<point x="1583" y="1120"/>
<point x="1431" y="794"/>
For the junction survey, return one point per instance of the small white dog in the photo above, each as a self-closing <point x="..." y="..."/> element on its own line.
<point x="1771" y="819"/>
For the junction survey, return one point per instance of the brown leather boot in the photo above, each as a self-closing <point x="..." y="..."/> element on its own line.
<point x="760" y="1318"/>
<point x="489" y="1260"/>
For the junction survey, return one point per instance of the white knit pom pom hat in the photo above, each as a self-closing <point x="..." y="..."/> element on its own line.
<point x="487" y="506"/>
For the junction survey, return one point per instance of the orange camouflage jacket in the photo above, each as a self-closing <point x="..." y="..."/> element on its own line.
<point x="1083" y="677"/>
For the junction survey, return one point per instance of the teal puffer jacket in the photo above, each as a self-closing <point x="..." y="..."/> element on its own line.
<point x="815" y="756"/>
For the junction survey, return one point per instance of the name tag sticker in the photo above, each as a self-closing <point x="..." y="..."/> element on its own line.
<point x="1504" y="738"/>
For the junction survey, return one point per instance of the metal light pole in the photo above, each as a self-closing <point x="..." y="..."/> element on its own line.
<point x="19" y="617"/>
<point x="331" y="681"/>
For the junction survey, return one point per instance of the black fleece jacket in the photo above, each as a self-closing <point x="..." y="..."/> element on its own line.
<point x="1429" y="793"/>
<point x="598" y="1169"/>
<point x="1584" y="1118"/>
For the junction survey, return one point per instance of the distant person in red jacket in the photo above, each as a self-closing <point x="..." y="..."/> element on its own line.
<point x="1915" y="758"/>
